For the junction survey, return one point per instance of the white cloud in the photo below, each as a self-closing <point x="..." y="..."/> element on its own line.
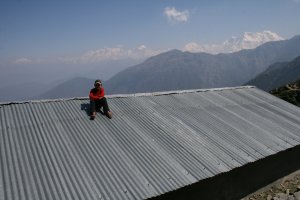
<point x="208" y="48"/>
<point x="141" y="47"/>
<point x="114" y="53"/>
<point x="176" y="16"/>
<point x="23" y="61"/>
<point x="96" y="56"/>
<point x="192" y="47"/>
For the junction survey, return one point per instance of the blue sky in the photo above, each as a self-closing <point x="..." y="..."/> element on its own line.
<point x="55" y="29"/>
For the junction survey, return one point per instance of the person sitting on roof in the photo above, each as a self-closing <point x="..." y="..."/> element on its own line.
<point x="97" y="100"/>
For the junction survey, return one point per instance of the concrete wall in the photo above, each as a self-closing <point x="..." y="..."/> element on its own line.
<point x="241" y="181"/>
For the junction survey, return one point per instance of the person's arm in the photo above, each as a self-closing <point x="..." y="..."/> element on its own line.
<point x="102" y="93"/>
<point x="96" y="96"/>
<point x="93" y="96"/>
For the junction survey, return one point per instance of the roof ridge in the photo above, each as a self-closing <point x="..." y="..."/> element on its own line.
<point x="128" y="95"/>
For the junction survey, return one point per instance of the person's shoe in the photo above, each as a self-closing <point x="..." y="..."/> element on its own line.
<point x="109" y="114"/>
<point x="93" y="115"/>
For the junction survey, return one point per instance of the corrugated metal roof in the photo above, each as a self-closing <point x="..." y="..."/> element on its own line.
<point x="154" y="144"/>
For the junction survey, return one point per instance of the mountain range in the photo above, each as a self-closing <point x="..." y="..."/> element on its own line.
<point x="248" y="40"/>
<point x="278" y="74"/>
<point x="177" y="70"/>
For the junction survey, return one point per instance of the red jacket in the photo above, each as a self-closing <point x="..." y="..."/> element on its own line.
<point x="96" y="94"/>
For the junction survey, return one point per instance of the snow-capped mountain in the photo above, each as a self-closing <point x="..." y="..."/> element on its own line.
<point x="247" y="41"/>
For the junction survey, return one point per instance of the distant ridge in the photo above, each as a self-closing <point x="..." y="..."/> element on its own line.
<point x="76" y="87"/>
<point x="176" y="70"/>
<point x="277" y="75"/>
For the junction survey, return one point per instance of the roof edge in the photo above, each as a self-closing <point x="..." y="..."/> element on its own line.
<point x="176" y="92"/>
<point x="129" y="95"/>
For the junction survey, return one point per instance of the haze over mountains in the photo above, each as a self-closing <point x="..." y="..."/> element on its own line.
<point x="177" y="70"/>
<point x="33" y="79"/>
<point x="76" y="87"/>
<point x="170" y="70"/>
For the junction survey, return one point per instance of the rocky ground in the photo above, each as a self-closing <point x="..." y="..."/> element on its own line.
<point x="289" y="92"/>
<point x="287" y="188"/>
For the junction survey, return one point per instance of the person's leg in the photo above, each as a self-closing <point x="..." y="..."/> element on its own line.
<point x="92" y="109"/>
<point x="98" y="105"/>
<point x="103" y="103"/>
<point x="106" y="110"/>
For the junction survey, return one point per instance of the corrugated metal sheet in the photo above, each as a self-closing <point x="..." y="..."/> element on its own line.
<point x="154" y="144"/>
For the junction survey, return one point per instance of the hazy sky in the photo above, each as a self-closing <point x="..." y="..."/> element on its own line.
<point x="52" y="30"/>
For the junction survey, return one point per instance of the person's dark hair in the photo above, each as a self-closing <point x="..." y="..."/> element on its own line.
<point x="98" y="81"/>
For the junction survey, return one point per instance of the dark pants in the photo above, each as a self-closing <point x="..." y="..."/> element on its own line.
<point x="98" y="104"/>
